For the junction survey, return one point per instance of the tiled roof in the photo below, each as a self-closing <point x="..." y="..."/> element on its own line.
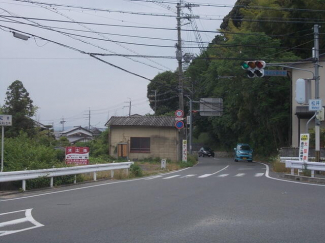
<point x="151" y="121"/>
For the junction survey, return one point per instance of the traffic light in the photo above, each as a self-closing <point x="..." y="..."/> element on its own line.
<point x="254" y="68"/>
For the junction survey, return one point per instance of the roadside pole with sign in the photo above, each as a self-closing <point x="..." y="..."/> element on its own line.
<point x="5" y="120"/>
<point x="304" y="147"/>
<point x="179" y="124"/>
<point x="184" y="154"/>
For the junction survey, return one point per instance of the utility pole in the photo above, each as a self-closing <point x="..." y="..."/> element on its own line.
<point x="129" y="107"/>
<point x="155" y="101"/>
<point x="179" y="57"/>
<point x="62" y="122"/>
<point x="316" y="65"/>
<point x="89" y="120"/>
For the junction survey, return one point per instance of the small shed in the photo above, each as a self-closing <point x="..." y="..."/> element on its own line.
<point x="140" y="137"/>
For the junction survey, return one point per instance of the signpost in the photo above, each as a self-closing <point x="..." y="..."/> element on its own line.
<point x="315" y="105"/>
<point x="5" y="120"/>
<point x="77" y="155"/>
<point x="184" y="152"/>
<point x="303" y="147"/>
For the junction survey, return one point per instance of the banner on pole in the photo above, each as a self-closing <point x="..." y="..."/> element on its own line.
<point x="304" y="147"/>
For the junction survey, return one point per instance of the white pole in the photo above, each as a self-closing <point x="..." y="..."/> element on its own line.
<point x="2" y="143"/>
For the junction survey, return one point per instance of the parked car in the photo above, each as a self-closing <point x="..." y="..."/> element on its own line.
<point x="243" y="152"/>
<point x="206" y="151"/>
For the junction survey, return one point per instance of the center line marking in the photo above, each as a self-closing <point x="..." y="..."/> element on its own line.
<point x="223" y="175"/>
<point x="205" y="175"/>
<point x="188" y="176"/>
<point x="170" y="177"/>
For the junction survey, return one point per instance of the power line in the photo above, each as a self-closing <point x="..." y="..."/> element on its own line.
<point x="238" y="6"/>
<point x="75" y="49"/>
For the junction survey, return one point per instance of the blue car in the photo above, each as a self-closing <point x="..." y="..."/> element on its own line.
<point x="243" y="152"/>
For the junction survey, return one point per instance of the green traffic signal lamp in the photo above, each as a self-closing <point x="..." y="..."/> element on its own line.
<point x="245" y="65"/>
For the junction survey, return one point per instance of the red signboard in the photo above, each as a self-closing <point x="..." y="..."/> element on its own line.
<point x="77" y="155"/>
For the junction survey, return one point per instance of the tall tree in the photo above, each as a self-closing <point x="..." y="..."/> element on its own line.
<point x="20" y="106"/>
<point x="165" y="84"/>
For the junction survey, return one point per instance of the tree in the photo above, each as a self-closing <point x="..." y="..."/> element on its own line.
<point x="165" y="85"/>
<point x="20" y="106"/>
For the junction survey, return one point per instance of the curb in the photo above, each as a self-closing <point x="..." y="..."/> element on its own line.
<point x="305" y="179"/>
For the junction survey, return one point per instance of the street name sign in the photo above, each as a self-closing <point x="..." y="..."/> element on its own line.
<point x="315" y="105"/>
<point x="275" y="73"/>
<point x="5" y="120"/>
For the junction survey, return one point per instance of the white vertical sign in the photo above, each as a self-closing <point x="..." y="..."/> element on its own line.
<point x="184" y="152"/>
<point x="304" y="147"/>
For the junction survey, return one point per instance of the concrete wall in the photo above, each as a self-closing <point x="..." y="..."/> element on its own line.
<point x="163" y="141"/>
<point x="303" y="74"/>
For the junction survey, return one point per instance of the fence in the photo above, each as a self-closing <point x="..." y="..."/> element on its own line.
<point x="300" y="165"/>
<point x="51" y="173"/>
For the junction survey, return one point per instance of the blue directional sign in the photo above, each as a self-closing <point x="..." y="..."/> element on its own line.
<point x="275" y="73"/>
<point x="315" y="105"/>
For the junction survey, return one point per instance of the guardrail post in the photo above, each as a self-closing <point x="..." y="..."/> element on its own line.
<point x="292" y="171"/>
<point x="51" y="182"/>
<point x="95" y="176"/>
<point x="24" y="185"/>
<point x="75" y="179"/>
<point x="312" y="173"/>
<point x="127" y="172"/>
<point x="112" y="174"/>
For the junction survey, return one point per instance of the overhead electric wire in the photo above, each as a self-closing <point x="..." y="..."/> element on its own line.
<point x="69" y="35"/>
<point x="95" y="32"/>
<point x="134" y="26"/>
<point x="75" y="49"/>
<point x="88" y="28"/>
<point x="236" y="6"/>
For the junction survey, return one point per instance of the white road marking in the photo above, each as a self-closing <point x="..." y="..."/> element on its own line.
<point x="220" y="170"/>
<point x="28" y="218"/>
<point x="259" y="174"/>
<point x="277" y="179"/>
<point x="169" y="177"/>
<point x="205" y="175"/>
<point x="153" y="177"/>
<point x="188" y="176"/>
<point x="240" y="175"/>
<point x="223" y="175"/>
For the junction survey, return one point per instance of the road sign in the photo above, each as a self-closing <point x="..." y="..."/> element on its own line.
<point x="315" y="105"/>
<point x="179" y="124"/>
<point x="179" y="113"/>
<point x="5" y="120"/>
<point x="303" y="147"/>
<point x="275" y="73"/>
<point x="184" y="152"/>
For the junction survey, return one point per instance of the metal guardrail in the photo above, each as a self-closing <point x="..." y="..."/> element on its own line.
<point x="50" y="173"/>
<point x="300" y="165"/>
<point x="283" y="159"/>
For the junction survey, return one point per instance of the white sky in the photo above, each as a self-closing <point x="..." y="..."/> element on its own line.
<point x="67" y="84"/>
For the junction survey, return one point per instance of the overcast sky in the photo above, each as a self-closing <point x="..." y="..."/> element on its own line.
<point x="66" y="84"/>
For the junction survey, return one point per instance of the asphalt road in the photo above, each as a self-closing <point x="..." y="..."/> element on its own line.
<point x="216" y="201"/>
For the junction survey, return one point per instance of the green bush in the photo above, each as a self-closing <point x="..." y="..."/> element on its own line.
<point x="136" y="170"/>
<point x="22" y="153"/>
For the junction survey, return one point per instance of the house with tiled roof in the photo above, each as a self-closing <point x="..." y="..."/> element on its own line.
<point x="77" y="134"/>
<point x="140" y="137"/>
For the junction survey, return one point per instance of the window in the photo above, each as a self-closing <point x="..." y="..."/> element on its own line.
<point x="140" y="145"/>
